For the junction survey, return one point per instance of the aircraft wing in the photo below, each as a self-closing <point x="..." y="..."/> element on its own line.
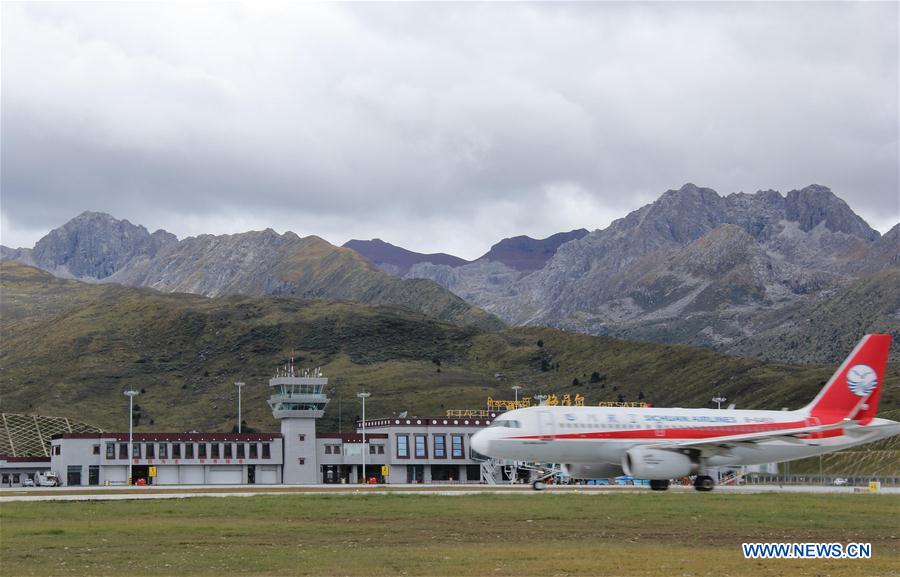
<point x="741" y="438"/>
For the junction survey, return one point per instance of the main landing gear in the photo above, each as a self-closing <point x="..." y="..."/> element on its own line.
<point x="659" y="484"/>
<point x="539" y="485"/>
<point x="704" y="483"/>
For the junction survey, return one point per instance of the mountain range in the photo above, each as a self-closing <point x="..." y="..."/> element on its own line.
<point x="96" y="247"/>
<point x="68" y="343"/>
<point x="792" y="278"/>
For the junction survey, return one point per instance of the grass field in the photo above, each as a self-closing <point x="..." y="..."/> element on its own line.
<point x="499" y="535"/>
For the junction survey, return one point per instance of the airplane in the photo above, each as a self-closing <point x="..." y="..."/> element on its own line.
<point x="659" y="444"/>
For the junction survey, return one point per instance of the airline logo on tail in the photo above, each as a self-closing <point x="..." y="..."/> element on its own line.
<point x="854" y="390"/>
<point x="862" y="379"/>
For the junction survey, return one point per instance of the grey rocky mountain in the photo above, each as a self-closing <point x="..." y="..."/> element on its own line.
<point x="92" y="246"/>
<point x="692" y="267"/>
<point x="96" y="247"/>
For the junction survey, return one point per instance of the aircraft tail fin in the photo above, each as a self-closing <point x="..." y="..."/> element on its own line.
<point x="854" y="390"/>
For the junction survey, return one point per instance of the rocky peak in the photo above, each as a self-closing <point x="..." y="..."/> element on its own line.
<point x="815" y="204"/>
<point x="95" y="245"/>
<point x="683" y="215"/>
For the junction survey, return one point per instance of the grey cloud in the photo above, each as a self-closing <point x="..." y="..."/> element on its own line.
<point x="441" y="127"/>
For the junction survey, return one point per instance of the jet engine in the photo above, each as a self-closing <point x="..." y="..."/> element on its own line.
<point x="644" y="463"/>
<point x="592" y="470"/>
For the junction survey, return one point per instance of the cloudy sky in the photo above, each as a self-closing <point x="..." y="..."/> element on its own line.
<point x="436" y="127"/>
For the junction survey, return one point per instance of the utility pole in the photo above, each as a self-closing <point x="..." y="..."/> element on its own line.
<point x="516" y="389"/>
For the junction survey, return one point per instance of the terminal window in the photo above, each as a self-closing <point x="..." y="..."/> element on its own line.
<point x="402" y="447"/>
<point x="301" y="461"/>
<point x="301" y="437"/>
<point x="110" y="450"/>
<point x="253" y="451"/>
<point x="136" y="451"/>
<point x="96" y="449"/>
<point x="189" y="451"/>
<point x="123" y="451"/>
<point x="149" y="451"/>
<point x="421" y="451"/>
<point x="164" y="450"/>
<point x="176" y="450"/>
<point x="214" y="451"/>
<point x="227" y="450"/>
<point x="266" y="451"/>
<point x="201" y="450"/>
<point x="456" y="446"/>
<point x="240" y="451"/>
<point x="440" y="448"/>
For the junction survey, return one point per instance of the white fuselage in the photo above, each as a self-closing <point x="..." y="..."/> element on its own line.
<point x="603" y="434"/>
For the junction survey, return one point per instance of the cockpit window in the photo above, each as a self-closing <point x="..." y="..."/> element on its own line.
<point x="508" y="423"/>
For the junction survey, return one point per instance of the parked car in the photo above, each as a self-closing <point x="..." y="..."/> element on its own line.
<point x="47" y="480"/>
<point x="840" y="482"/>
<point x="28" y="482"/>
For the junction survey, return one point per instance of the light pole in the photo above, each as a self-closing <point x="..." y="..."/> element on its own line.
<point x="239" y="384"/>
<point x="718" y="400"/>
<point x="364" y="396"/>
<point x="131" y="395"/>
<point x="540" y="399"/>
<point x="516" y="389"/>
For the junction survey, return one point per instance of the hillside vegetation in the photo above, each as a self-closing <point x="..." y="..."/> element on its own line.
<point x="71" y="348"/>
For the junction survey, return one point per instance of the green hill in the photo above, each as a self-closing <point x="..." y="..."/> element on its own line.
<point x="70" y="348"/>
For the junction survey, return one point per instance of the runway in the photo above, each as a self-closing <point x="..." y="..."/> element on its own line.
<point x="184" y="492"/>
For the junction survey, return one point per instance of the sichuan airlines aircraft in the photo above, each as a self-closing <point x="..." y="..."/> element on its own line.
<point x="661" y="444"/>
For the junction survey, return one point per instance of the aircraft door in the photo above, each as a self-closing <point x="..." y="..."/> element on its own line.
<point x="546" y="424"/>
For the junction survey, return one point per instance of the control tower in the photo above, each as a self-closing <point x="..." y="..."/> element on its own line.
<point x="297" y="400"/>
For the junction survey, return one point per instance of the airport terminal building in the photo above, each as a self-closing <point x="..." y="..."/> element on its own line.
<point x="395" y="450"/>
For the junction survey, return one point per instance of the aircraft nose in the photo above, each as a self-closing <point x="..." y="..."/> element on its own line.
<point x="481" y="442"/>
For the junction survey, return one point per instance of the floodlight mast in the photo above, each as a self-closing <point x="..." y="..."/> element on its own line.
<point x="364" y="396"/>
<point x="131" y="394"/>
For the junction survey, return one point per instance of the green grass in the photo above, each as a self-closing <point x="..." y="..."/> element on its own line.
<point x="528" y="534"/>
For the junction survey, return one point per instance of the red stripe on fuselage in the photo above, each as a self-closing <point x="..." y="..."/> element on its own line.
<point x="686" y="433"/>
